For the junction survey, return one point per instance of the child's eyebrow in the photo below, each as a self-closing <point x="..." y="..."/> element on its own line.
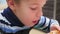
<point x="32" y="0"/>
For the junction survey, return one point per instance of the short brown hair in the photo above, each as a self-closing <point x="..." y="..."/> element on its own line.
<point x="16" y="1"/>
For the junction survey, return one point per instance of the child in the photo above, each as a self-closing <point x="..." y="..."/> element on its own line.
<point x="22" y="15"/>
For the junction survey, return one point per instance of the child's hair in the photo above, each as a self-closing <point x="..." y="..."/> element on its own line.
<point x="16" y="1"/>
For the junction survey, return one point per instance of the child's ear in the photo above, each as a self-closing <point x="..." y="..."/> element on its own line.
<point x="11" y="4"/>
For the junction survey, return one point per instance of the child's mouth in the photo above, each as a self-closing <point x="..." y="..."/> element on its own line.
<point x="35" y="21"/>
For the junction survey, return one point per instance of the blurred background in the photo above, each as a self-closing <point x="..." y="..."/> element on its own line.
<point x="51" y="8"/>
<point x="3" y="4"/>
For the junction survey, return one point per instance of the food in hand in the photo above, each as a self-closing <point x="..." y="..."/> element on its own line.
<point x="55" y="32"/>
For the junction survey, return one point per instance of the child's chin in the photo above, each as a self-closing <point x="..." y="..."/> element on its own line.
<point x="29" y="25"/>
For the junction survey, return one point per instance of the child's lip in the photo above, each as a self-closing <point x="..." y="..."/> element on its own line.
<point x="35" y="21"/>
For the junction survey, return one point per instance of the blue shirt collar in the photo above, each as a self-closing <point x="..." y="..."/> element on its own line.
<point x="11" y="17"/>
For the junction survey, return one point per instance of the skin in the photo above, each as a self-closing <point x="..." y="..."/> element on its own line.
<point x="27" y="11"/>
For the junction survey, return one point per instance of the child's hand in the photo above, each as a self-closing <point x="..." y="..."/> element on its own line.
<point x="55" y="27"/>
<point x="54" y="30"/>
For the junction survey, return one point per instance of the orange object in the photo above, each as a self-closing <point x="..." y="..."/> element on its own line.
<point x="55" y="32"/>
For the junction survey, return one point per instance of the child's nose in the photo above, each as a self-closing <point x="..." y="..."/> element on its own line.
<point x="39" y="14"/>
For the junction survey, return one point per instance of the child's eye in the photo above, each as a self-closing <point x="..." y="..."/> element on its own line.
<point x="33" y="8"/>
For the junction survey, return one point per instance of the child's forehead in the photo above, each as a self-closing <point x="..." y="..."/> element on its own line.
<point x="35" y="1"/>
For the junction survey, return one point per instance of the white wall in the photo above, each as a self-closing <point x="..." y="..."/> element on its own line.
<point x="3" y="4"/>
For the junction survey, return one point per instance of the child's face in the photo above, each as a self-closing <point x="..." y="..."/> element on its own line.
<point x="29" y="11"/>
